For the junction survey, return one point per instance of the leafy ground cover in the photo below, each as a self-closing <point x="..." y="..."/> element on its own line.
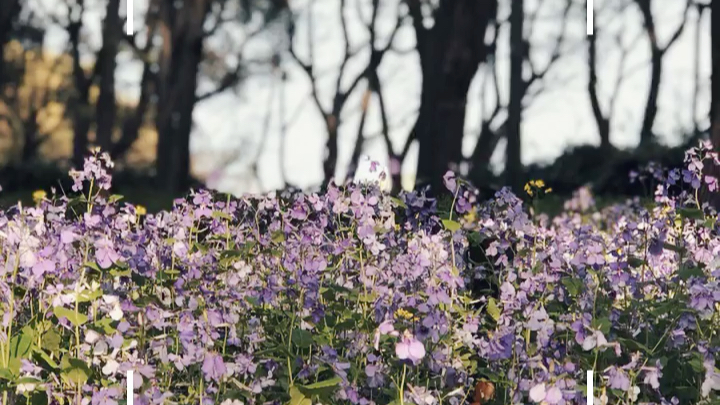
<point x="352" y="296"/>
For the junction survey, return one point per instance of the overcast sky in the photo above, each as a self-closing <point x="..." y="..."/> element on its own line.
<point x="232" y="123"/>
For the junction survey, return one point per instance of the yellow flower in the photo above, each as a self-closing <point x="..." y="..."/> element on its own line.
<point x="140" y="210"/>
<point x="528" y="189"/>
<point x="38" y="195"/>
<point x="533" y="186"/>
<point x="470" y="216"/>
<point x="403" y="313"/>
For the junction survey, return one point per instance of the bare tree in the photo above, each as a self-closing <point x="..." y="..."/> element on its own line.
<point x="715" y="98"/>
<point x="182" y="32"/>
<point x="332" y="117"/>
<point x="518" y="49"/>
<point x="450" y="53"/>
<point x="105" y="107"/>
<point x="603" y="116"/>
<point x="8" y="13"/>
<point x="657" y="53"/>
<point x="494" y="125"/>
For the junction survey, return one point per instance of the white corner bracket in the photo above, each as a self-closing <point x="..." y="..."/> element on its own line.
<point x="129" y="26"/>
<point x="590" y="390"/>
<point x="590" y="15"/>
<point x="130" y="386"/>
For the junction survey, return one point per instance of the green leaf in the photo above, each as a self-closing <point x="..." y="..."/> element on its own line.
<point x="674" y="248"/>
<point x="115" y="198"/>
<point x="28" y="380"/>
<point x="697" y="363"/>
<point x="635" y="346"/>
<point x="636" y="261"/>
<point x="74" y="370"/>
<point x="44" y="357"/>
<point x="21" y="344"/>
<point x="87" y="296"/>
<point x="322" y="389"/>
<point x="691" y="213"/>
<point x="298" y="398"/>
<point x="302" y="338"/>
<point x="7" y="374"/>
<point x="105" y="325"/>
<point x="602" y="324"/>
<point x="493" y="310"/>
<point x="93" y="266"/>
<point x="221" y="215"/>
<point x="332" y="382"/>
<point x="51" y="341"/>
<point x="76" y="319"/>
<point x="451" y="225"/>
<point x="574" y="286"/>
<point x="118" y="272"/>
<point x="39" y="398"/>
<point x="398" y="202"/>
<point x="686" y="272"/>
<point x="278" y="237"/>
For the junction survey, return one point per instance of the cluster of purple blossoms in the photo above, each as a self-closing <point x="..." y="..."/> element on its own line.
<point x="352" y="296"/>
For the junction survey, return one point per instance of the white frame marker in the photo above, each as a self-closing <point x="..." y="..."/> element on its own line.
<point x="129" y="27"/>
<point x="590" y="12"/>
<point x="130" y="380"/>
<point x="590" y="389"/>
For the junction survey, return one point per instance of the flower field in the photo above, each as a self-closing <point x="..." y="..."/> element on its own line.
<point x="351" y="296"/>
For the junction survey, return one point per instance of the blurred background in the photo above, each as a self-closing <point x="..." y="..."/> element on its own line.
<point x="247" y="96"/>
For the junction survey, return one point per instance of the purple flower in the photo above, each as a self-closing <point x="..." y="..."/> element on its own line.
<point x="213" y="367"/>
<point x="409" y="348"/>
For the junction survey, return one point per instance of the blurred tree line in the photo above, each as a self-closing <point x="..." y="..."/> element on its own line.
<point x="54" y="106"/>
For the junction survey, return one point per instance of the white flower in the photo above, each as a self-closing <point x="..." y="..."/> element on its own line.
<point x="634" y="392"/>
<point x="110" y="367"/>
<point x="597" y="339"/>
<point x="91" y="336"/>
<point x="712" y="379"/>
<point x="537" y="393"/>
<point x="26" y="387"/>
<point x="231" y="402"/>
<point x="116" y="314"/>
<point x="369" y="171"/>
<point x="110" y="299"/>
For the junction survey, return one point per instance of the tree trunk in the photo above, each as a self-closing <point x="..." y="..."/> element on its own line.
<point x="182" y="32"/>
<point x="106" y="109"/>
<point x="513" y="161"/>
<point x="715" y="86"/>
<point x="602" y="122"/>
<point x="450" y="53"/>
<point x="713" y="198"/>
<point x="80" y="106"/>
<point x="657" y="53"/>
<point x="646" y="132"/>
<point x="8" y="13"/>
<point x="131" y="125"/>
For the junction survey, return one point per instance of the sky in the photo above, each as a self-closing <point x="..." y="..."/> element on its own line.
<point x="230" y="126"/>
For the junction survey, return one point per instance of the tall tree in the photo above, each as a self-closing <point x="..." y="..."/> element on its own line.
<point x="494" y="125"/>
<point x="182" y="32"/>
<point x="518" y="48"/>
<point x="450" y="53"/>
<point x="8" y="13"/>
<point x="715" y="87"/>
<point x="106" y="108"/>
<point x="332" y="116"/>
<point x="657" y="54"/>
<point x="604" y="116"/>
